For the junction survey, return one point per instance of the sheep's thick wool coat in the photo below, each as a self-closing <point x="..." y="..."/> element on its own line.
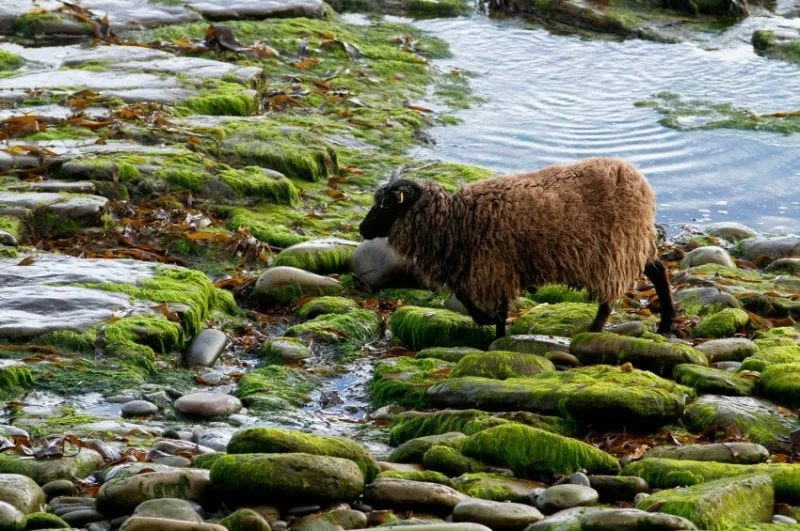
<point x="589" y="224"/>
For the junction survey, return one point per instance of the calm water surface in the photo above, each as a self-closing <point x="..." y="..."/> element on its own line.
<point x="556" y="98"/>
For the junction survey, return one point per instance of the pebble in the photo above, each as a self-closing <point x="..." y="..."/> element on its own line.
<point x="11" y="517"/>
<point x="59" y="487"/>
<point x="207" y="405"/>
<point x="169" y="508"/>
<point x="579" y="478"/>
<point x="138" y="408"/>
<point x="81" y="517"/>
<point x="781" y="519"/>
<point x="496" y="515"/>
<point x="212" y="378"/>
<point x="205" y="348"/>
<point x="709" y="254"/>
<point x="560" y="497"/>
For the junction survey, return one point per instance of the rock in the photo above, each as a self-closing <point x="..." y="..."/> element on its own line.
<point x="286" y="349"/>
<point x="617" y="488"/>
<point x="710" y="380"/>
<point x="278" y="440"/>
<point x="630" y="328"/>
<point x="451" y="354"/>
<point x="568" y="519"/>
<point x="6" y="238"/>
<point x="404" y="381"/>
<point x="536" y="450"/>
<point x="658" y="357"/>
<point x="139" y="408"/>
<point x="566" y="496"/>
<point x="702" y="301"/>
<point x="168" y="508"/>
<point x="531" y="344"/>
<point x="44" y="521"/>
<point x="728" y="230"/>
<point x="599" y="394"/>
<point x="81" y="517"/>
<point x="419" y="328"/>
<point x="22" y="492"/>
<point x="341" y="517"/>
<point x="376" y="266"/>
<point x="450" y="461"/>
<point x="259" y="9"/>
<point x="785" y="265"/>
<point x="759" y="420"/>
<point x="720" y="504"/>
<point x="564" y="319"/>
<point x="324" y="305"/>
<point x="723" y="323"/>
<point x="45" y="470"/>
<point x="325" y="256"/>
<point x="579" y="478"/>
<point x="727" y="349"/>
<point x="282" y="285"/>
<point x="11" y="519"/>
<point x="294" y="477"/>
<point x="633" y="520"/>
<point x="709" y="254"/>
<point x="770" y="248"/>
<point x="412" y="451"/>
<point x="86" y="208"/>
<point x="416" y="495"/>
<point x="348" y="332"/>
<point x="501" y="365"/>
<point x="733" y="452"/>
<point x="207" y="405"/>
<point x="123" y="494"/>
<point x="496" y="487"/>
<point x="246" y="520"/>
<point x="781" y="381"/>
<point x="461" y="526"/>
<point x="146" y="523"/>
<point x="59" y="487"/>
<point x="205" y="348"/>
<point x="496" y="515"/>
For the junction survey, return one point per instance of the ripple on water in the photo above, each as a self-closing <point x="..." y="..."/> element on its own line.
<point x="552" y="99"/>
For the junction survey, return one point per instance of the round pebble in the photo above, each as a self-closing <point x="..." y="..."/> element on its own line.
<point x="207" y="405"/>
<point x="579" y="478"/>
<point x="59" y="487"/>
<point x="138" y="408"/>
<point x="565" y="496"/>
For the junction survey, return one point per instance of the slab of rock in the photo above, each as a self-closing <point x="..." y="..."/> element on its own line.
<point x="195" y="67"/>
<point x="729" y="230"/>
<point x="733" y="452"/>
<point x="77" y="207"/>
<point x="709" y="254"/>
<point x="122" y="495"/>
<point x="770" y="248"/>
<point x="22" y="492"/>
<point x="284" y="284"/>
<point x="566" y="496"/>
<point x="711" y="380"/>
<point x="388" y="492"/>
<point x="496" y="515"/>
<point x="328" y="255"/>
<point x="207" y="405"/>
<point x="78" y="56"/>
<point x="45" y="470"/>
<point x="75" y="187"/>
<point x="658" y="357"/>
<point x="205" y="348"/>
<point x="88" y="80"/>
<point x="727" y="349"/>
<point x="258" y="9"/>
<point x="169" y="508"/>
<point x="633" y="520"/>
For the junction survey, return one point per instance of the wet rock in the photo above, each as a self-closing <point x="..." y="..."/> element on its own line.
<point x="138" y="408"/>
<point x="760" y="420"/>
<point x="450" y="461"/>
<point x="404" y="381"/>
<point x="81" y="517"/>
<point x="207" y="405"/>
<point x="286" y="349"/>
<point x="658" y="357"/>
<point x="709" y="254"/>
<point x="245" y="520"/>
<point x="702" y="301"/>
<point x="174" y="446"/>
<point x="727" y="349"/>
<point x="205" y="348"/>
<point x="632" y="520"/>
<point x="59" y="487"/>
<point x="76" y="187"/>
<point x="710" y="380"/>
<point x="496" y="515"/>
<point x="496" y="487"/>
<point x="45" y="470"/>
<point x="76" y="207"/>
<point x="419" y="328"/>
<point x="451" y="354"/>
<point x="562" y="520"/>
<point x="531" y="344"/>
<point x="22" y="492"/>
<point x="281" y="285"/>
<point x="296" y="478"/>
<point x="341" y="517"/>
<point x="376" y="266"/>
<point x="723" y="323"/>
<point x="566" y="496"/>
<point x="348" y="332"/>
<point x="78" y="56"/>
<point x="729" y="230"/>
<point x="169" y="508"/>
<point x="733" y="452"/>
<point x="122" y="495"/>
<point x="718" y="504"/>
<point x="197" y="67"/>
<point x="258" y="9"/>
<point x="785" y="265"/>
<point x="329" y="255"/>
<point x="770" y="248"/>
<point x="780" y="43"/>
<point x="461" y="526"/>
<point x="11" y="518"/>
<point x="412" y="494"/>
<point x="6" y="238"/>
<point x="563" y="319"/>
<point x="413" y="451"/>
<point x="631" y="328"/>
<point x="501" y="365"/>
<point x="617" y="488"/>
<point x="146" y="523"/>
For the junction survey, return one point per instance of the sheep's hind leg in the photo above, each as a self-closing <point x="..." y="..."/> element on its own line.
<point x="502" y="316"/>
<point x="603" y="311"/>
<point x="657" y="273"/>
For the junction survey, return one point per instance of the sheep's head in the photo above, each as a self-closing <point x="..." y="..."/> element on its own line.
<point x="391" y="202"/>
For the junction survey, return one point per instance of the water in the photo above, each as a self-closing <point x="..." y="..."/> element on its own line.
<point x="553" y="99"/>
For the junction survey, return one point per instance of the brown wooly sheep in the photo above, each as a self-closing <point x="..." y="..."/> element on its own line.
<point x="586" y="224"/>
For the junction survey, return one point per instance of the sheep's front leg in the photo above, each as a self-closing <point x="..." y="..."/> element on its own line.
<point x="657" y="273"/>
<point x="603" y="311"/>
<point x="479" y="316"/>
<point x="502" y="316"/>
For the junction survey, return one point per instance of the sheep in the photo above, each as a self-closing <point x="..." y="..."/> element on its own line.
<point x="585" y="224"/>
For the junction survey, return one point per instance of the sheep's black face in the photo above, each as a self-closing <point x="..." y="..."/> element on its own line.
<point x="391" y="202"/>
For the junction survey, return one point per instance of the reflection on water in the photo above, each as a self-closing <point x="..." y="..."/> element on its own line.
<point x="553" y="99"/>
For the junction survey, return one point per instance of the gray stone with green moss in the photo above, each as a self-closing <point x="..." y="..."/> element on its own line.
<point x="44" y="521"/>
<point x="529" y="450"/>
<point x="22" y="492"/>
<point x="631" y="520"/>
<point x="282" y="285"/>
<point x="770" y="247"/>
<point x="727" y="349"/>
<point x="428" y="476"/>
<point x="325" y="305"/>
<point x="710" y="380"/>
<point x="402" y="493"/>
<point x="412" y="451"/>
<point x="722" y="324"/>
<point x="772" y="355"/>
<point x="781" y="382"/>
<point x="760" y="420"/>
<point x="451" y="354"/>
<point x="450" y="461"/>
<point x="496" y="515"/>
<point x="501" y="365"/>
<point x="745" y="453"/>
<point x="329" y="255"/>
<point x="11" y="518"/>
<point x="245" y="520"/>
<point x="419" y="328"/>
<point x="120" y="496"/>
<point x="704" y="301"/>
<point x="347" y="332"/>
<point x="278" y="440"/>
<point x="561" y="319"/>
<point x="659" y="357"/>
<point x="404" y="381"/>
<point x="601" y="394"/>
<point x="531" y="344"/>
<point x="285" y="350"/>
<point x="46" y="470"/>
<point x="275" y="388"/>
<point x="721" y="504"/>
<point x="496" y="486"/>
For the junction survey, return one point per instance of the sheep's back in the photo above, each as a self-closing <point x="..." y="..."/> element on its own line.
<point x="589" y="223"/>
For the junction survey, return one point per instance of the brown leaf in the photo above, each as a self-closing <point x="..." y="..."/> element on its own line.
<point x="335" y="194"/>
<point x="306" y="63"/>
<point x="28" y="260"/>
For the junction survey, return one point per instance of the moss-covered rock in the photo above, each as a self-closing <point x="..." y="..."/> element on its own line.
<point x="780" y="44"/>
<point x="413" y="450"/>
<point x="451" y="354"/>
<point x="501" y="365"/>
<point x="282" y="285"/>
<point x="326" y="305"/>
<point x="531" y="344"/>
<point x="529" y="450"/>
<point x="45" y="470"/>
<point x="10" y="61"/>
<point x="562" y="319"/>
<point x="450" y="461"/>
<point x="294" y="478"/>
<point x="427" y="476"/>
<point x="659" y="357"/>
<point x="244" y="520"/>
<point x="744" y="453"/>
<point x="496" y="487"/>
<point x="704" y="300"/>
<point x="710" y="380"/>
<point x="275" y="388"/>
<point x="279" y="441"/>
<point x="725" y="503"/>
<point x="419" y="328"/>
<point x="285" y="350"/>
<point x="325" y="256"/>
<point x="766" y="356"/>
<point x="347" y="332"/>
<point x="404" y="381"/>
<point x="44" y="521"/>
<point x="14" y="379"/>
<point x="555" y="293"/>
<point x="205" y="461"/>
<point x="601" y="395"/>
<point x="782" y="382"/>
<point x="722" y="324"/>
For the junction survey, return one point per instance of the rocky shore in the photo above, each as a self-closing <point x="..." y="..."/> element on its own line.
<point x="193" y="338"/>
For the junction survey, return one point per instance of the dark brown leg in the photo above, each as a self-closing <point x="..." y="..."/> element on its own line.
<point x="603" y="311"/>
<point x="502" y="315"/>
<point x="479" y="316"/>
<point x="657" y="273"/>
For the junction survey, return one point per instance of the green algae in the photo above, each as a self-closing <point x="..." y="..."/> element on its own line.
<point x="251" y="181"/>
<point x="14" y="379"/>
<point x="321" y="259"/>
<point x="561" y="319"/>
<point x="501" y="365"/>
<point x="413" y="451"/>
<point x="438" y="8"/>
<point x="725" y="503"/>
<point x="765" y="42"/>
<point x="450" y="461"/>
<point x="206" y="461"/>
<point x="781" y="382"/>
<point x="722" y="324"/>
<point x="348" y="332"/>
<point x="326" y="305"/>
<point x="495" y="486"/>
<point x="556" y="293"/>
<point x="419" y="328"/>
<point x="528" y="450"/>
<point x="451" y="354"/>
<point x="277" y="440"/>
<point x="428" y="476"/>
<point x="32" y="23"/>
<point x="223" y="104"/>
<point x="10" y="61"/>
<point x="709" y="380"/>
<point x="44" y="521"/>
<point x="773" y="355"/>
<point x="404" y="381"/>
<point x="275" y="388"/>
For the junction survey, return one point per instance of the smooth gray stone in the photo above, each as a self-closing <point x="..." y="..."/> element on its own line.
<point x="207" y="405"/>
<point x="772" y="248"/>
<point x="6" y="238"/>
<point x="560" y="497"/>
<point x="248" y="9"/>
<point x="496" y="515"/>
<point x="633" y="520"/>
<point x="729" y="230"/>
<point x="727" y="349"/>
<point x="69" y="206"/>
<point x="206" y="347"/>
<point x="138" y="408"/>
<point x="375" y="265"/>
<point x="169" y="508"/>
<point x="709" y="254"/>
